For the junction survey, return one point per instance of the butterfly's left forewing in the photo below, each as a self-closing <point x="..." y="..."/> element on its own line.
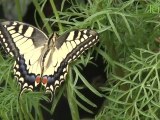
<point x="26" y="44"/>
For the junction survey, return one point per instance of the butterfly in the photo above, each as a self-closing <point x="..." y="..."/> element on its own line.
<point x="40" y="59"/>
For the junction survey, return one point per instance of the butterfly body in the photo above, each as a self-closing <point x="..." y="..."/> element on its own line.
<point x="39" y="59"/>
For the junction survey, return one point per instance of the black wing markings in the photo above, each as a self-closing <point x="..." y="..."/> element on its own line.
<point x="75" y="42"/>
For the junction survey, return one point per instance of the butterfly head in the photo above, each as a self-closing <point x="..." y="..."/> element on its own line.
<point x="52" y="40"/>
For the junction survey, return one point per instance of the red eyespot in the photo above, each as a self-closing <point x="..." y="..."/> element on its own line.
<point x="38" y="79"/>
<point x="44" y="80"/>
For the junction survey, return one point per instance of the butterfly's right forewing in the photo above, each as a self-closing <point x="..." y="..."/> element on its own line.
<point x="68" y="47"/>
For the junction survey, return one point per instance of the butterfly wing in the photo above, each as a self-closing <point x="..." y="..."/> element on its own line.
<point x="37" y="55"/>
<point x="26" y="43"/>
<point x="68" y="47"/>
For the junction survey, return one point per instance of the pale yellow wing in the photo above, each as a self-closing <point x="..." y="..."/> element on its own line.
<point x="27" y="44"/>
<point x="67" y="48"/>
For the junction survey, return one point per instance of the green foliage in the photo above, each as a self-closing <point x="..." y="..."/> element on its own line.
<point x="136" y="95"/>
<point x="132" y="90"/>
<point x="132" y="87"/>
<point x="28" y="103"/>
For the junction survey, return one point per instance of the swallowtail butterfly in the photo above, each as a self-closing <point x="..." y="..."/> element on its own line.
<point x="39" y="59"/>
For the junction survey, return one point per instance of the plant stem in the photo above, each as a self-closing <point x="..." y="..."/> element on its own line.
<point x="42" y="16"/>
<point x="71" y="101"/>
<point x="18" y="10"/>
<point x="56" y="15"/>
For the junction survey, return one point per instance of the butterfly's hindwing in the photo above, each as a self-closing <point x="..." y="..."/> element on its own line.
<point x="39" y="59"/>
